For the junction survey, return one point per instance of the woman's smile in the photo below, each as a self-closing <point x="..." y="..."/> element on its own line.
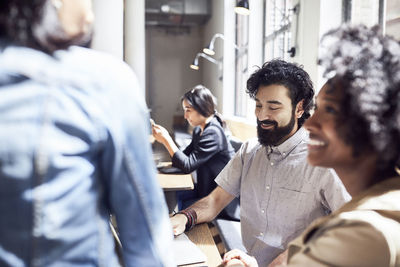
<point x="316" y="144"/>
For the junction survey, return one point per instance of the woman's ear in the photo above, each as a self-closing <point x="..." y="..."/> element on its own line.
<point x="299" y="109"/>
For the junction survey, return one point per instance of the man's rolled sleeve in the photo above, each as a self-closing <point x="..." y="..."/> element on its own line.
<point x="230" y="177"/>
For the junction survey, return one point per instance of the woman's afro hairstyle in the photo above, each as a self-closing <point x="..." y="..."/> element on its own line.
<point x="367" y="64"/>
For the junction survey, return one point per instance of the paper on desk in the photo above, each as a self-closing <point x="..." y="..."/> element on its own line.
<point x="186" y="252"/>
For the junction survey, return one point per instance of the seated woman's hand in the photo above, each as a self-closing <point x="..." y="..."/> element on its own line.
<point x="160" y="133"/>
<point x="178" y="223"/>
<point x="236" y="258"/>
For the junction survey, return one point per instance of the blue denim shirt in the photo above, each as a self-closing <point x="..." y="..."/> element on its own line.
<point x="73" y="149"/>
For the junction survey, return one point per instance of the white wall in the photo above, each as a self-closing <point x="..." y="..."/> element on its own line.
<point x="168" y="58"/>
<point x="108" y="27"/>
<point x="134" y="49"/>
<point x="211" y="73"/>
<point x="229" y="59"/>
<point x="255" y="48"/>
<point x="331" y="17"/>
<point x="121" y="34"/>
<point x="315" y="19"/>
<point x="308" y="37"/>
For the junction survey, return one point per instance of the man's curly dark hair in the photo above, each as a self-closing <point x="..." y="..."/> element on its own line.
<point x="290" y="75"/>
<point x="367" y="66"/>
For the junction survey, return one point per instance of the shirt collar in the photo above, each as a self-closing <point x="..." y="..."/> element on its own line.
<point x="286" y="147"/>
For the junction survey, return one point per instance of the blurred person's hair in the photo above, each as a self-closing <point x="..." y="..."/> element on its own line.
<point x="289" y="75"/>
<point x="365" y="64"/>
<point x="35" y="24"/>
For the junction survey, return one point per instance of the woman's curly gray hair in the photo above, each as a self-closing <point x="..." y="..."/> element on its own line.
<point x="367" y="64"/>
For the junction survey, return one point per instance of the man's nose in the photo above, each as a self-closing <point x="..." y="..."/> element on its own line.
<point x="263" y="114"/>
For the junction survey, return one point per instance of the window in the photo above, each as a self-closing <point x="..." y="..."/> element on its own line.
<point x="393" y="18"/>
<point x="372" y="12"/>
<point x="361" y="11"/>
<point x="276" y="41"/>
<point x="277" y="31"/>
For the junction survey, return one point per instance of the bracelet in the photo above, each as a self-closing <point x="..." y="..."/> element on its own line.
<point x="191" y="217"/>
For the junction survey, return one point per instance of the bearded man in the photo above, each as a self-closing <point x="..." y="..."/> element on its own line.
<point x="280" y="193"/>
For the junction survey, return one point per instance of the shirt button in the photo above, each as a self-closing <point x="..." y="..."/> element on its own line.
<point x="262" y="211"/>
<point x="272" y="164"/>
<point x="284" y="153"/>
<point x="261" y="234"/>
<point x="267" y="187"/>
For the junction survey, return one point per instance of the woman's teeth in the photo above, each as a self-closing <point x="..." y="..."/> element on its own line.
<point x="314" y="142"/>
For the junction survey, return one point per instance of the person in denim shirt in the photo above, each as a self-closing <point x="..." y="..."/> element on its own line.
<point x="73" y="146"/>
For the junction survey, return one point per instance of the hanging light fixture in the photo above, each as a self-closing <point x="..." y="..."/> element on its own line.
<point x="195" y="64"/>
<point x="209" y="50"/>
<point x="242" y="7"/>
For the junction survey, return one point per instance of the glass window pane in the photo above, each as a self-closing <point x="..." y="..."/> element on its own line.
<point x="277" y="17"/>
<point x="365" y="12"/>
<point x="393" y="18"/>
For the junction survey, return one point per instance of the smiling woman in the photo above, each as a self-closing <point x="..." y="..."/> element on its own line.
<point x="355" y="129"/>
<point x="327" y="147"/>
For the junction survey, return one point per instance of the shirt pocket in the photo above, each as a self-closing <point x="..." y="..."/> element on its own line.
<point x="294" y="208"/>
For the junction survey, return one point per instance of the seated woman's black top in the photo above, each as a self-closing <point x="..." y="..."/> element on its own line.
<point x="208" y="153"/>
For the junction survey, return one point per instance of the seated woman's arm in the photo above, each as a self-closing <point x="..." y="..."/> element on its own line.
<point x="206" y="147"/>
<point x="161" y="135"/>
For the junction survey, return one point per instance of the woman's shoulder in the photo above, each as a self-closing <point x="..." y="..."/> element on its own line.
<point x="350" y="238"/>
<point x="214" y="128"/>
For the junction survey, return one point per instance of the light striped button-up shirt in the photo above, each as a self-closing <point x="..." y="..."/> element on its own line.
<point x="280" y="193"/>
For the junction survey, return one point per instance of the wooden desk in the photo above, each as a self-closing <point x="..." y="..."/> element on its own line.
<point x="171" y="183"/>
<point x="175" y="182"/>
<point x="201" y="236"/>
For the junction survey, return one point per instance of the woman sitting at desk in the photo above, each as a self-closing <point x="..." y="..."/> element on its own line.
<point x="355" y="130"/>
<point x="209" y="151"/>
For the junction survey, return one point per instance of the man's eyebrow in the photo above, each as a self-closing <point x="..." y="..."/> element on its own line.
<point x="276" y="102"/>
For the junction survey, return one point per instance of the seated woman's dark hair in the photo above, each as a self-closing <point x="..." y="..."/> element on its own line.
<point x="290" y="75"/>
<point x="203" y="101"/>
<point x="35" y="24"/>
<point x="366" y="65"/>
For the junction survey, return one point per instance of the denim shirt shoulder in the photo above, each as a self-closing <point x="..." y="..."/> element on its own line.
<point x="75" y="126"/>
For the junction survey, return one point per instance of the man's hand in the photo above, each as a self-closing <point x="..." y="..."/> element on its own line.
<point x="178" y="223"/>
<point x="236" y="258"/>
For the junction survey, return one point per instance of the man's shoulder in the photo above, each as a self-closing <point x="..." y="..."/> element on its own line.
<point x="94" y="62"/>
<point x="101" y="68"/>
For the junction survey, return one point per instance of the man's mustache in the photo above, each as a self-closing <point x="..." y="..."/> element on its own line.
<point x="267" y="122"/>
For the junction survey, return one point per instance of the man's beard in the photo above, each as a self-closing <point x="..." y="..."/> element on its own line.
<point x="273" y="137"/>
